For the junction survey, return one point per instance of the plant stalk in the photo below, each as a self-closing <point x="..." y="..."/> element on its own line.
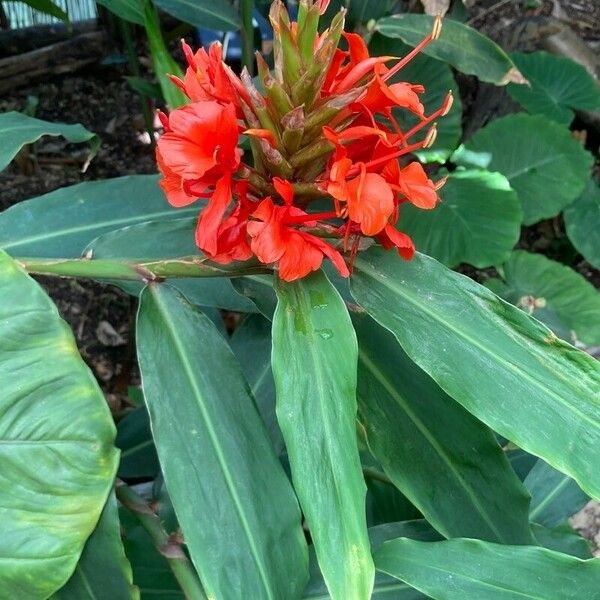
<point x="143" y="271"/>
<point x="174" y="555"/>
<point x="246" y="8"/>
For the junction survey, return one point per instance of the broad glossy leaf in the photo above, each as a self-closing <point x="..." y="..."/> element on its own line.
<point x="544" y="163"/>
<point x="557" y="86"/>
<point x="463" y="47"/>
<point x="562" y="539"/>
<point x="554" y="496"/>
<point x="157" y="239"/>
<point x="56" y="442"/>
<point x="553" y="293"/>
<point x="251" y="343"/>
<point x="581" y="220"/>
<point x="134" y="439"/>
<point x="460" y="569"/>
<point x="62" y="223"/>
<point x="219" y="15"/>
<point x="405" y="416"/>
<point x="103" y="572"/>
<point x="17" y="130"/>
<point x="522" y="462"/>
<point x="151" y="573"/>
<point x="360" y="12"/>
<point x="243" y="530"/>
<point x="436" y="76"/>
<point x="386" y="587"/>
<point x="130" y="10"/>
<point x="490" y="356"/>
<point x="314" y="365"/>
<point x="478" y="220"/>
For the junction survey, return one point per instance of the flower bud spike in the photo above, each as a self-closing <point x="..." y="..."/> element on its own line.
<point x="174" y="79"/>
<point x="164" y="120"/>
<point x="263" y="134"/>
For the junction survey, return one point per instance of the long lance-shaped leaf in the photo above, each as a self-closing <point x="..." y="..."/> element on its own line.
<point x="504" y="367"/>
<point x="103" y="571"/>
<point x="56" y="442"/>
<point x="62" y="223"/>
<point x="554" y="496"/>
<point x="238" y="512"/>
<point x="314" y="364"/>
<point x="460" y="569"/>
<point x="406" y="415"/>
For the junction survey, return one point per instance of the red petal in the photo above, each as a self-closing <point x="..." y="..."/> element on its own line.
<point x="212" y="215"/>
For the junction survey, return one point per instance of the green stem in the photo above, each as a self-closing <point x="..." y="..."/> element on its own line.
<point x="376" y="475"/>
<point x="173" y="553"/>
<point x="246" y="8"/>
<point x="144" y="271"/>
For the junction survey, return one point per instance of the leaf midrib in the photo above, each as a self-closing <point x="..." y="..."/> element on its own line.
<point x="214" y="439"/>
<point x="379" y="375"/>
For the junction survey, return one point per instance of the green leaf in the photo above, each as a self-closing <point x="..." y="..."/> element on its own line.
<point x="145" y="88"/>
<point x="553" y="293"/>
<point x="557" y="86"/>
<point x="243" y="532"/>
<point x="478" y="220"/>
<point x="163" y="62"/>
<point x="251" y="343"/>
<point x="544" y="163"/>
<point x="436" y="76"/>
<point x="155" y="240"/>
<point x="406" y="415"/>
<point x="103" y="572"/>
<point x="581" y="220"/>
<point x="386" y="587"/>
<point x="17" y="130"/>
<point x="56" y="442"/>
<point x="464" y="48"/>
<point x="490" y="356"/>
<point x="48" y="7"/>
<point x="62" y="223"/>
<point x="562" y="539"/>
<point x="554" y="496"/>
<point x="522" y="462"/>
<point x="459" y="569"/>
<point x="134" y="439"/>
<point x="203" y="13"/>
<point x="259" y="289"/>
<point x="130" y="10"/>
<point x="151" y="572"/>
<point x="360" y="12"/>
<point x="314" y="365"/>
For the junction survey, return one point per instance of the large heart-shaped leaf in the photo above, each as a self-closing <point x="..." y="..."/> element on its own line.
<point x="62" y="223"/>
<point x="155" y="240"/>
<point x="581" y="220"/>
<point x="554" y="496"/>
<point x="463" y="47"/>
<point x="436" y="76"/>
<point x="459" y="569"/>
<point x="557" y="86"/>
<point x="490" y="356"/>
<point x="56" y="442"/>
<point x="478" y="220"/>
<point x="243" y="531"/>
<point x="553" y="293"/>
<point x="544" y="163"/>
<point x="203" y="13"/>
<point x="406" y="415"/>
<point x="103" y="570"/>
<point x="17" y="130"/>
<point x="314" y="365"/>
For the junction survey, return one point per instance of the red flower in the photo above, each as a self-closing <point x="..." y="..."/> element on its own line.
<point x="390" y="238"/>
<point x="275" y="240"/>
<point x="200" y="148"/>
<point x="413" y="184"/>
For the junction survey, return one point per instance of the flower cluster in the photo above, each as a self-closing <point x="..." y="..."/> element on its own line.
<point x="322" y="133"/>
